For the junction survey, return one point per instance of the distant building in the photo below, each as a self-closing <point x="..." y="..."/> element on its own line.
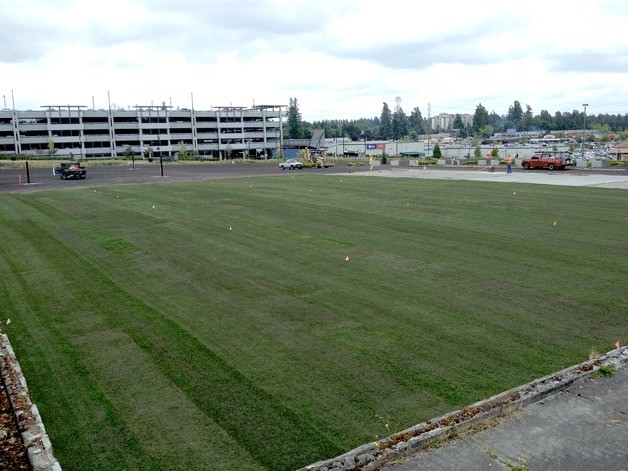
<point x="445" y="121"/>
<point x="348" y="148"/>
<point x="619" y="150"/>
<point x="160" y="130"/>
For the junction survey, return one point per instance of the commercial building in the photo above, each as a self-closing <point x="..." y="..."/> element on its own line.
<point x="156" y="131"/>
<point x="349" y="148"/>
<point x="619" y="150"/>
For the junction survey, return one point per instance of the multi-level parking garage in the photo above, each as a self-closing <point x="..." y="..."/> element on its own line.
<point x="155" y="131"/>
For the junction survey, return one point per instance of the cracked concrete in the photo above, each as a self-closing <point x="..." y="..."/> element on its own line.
<point x="584" y="427"/>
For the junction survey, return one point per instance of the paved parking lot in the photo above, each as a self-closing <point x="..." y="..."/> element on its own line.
<point x="43" y="179"/>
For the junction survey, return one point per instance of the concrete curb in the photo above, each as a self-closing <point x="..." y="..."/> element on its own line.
<point x="27" y="415"/>
<point x="372" y="456"/>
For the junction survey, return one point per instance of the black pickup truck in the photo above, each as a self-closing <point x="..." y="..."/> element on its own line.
<point x="69" y="170"/>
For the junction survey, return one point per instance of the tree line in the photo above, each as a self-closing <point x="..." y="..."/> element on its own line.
<point x="395" y="124"/>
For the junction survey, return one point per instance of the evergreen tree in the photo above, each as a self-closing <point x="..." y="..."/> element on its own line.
<point x="353" y="131"/>
<point x="458" y="124"/>
<point x="480" y="118"/>
<point x="515" y="114"/>
<point x="399" y="123"/>
<point x="497" y="122"/>
<point x="545" y="121"/>
<point x="416" y="121"/>
<point x="295" y="122"/>
<point x="437" y="154"/>
<point x="559" y="120"/>
<point x="385" y="126"/>
<point x="528" y="119"/>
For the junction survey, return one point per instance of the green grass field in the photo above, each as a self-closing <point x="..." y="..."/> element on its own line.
<point x="218" y="325"/>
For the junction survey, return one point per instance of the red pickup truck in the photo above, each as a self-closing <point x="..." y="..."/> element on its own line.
<point x="542" y="160"/>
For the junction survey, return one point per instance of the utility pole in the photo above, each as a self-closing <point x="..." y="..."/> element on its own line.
<point x="429" y="125"/>
<point x="584" y="127"/>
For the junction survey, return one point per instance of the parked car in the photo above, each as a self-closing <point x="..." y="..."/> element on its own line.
<point x="291" y="164"/>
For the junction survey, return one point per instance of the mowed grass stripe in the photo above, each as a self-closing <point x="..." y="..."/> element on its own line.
<point x="143" y="408"/>
<point x="169" y="426"/>
<point x="353" y="382"/>
<point x="299" y="260"/>
<point x="454" y="290"/>
<point x="261" y="425"/>
<point x="88" y="434"/>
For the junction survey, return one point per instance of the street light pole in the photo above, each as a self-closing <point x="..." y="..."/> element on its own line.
<point x="80" y="144"/>
<point x="161" y="161"/>
<point x="429" y="125"/>
<point x="584" y="126"/>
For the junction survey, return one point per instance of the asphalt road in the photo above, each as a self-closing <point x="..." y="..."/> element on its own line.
<point x="43" y="179"/>
<point x="146" y="173"/>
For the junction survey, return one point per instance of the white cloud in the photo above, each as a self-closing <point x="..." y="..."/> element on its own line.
<point x="339" y="58"/>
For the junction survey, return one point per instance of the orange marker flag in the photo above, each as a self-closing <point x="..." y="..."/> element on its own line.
<point x="617" y="344"/>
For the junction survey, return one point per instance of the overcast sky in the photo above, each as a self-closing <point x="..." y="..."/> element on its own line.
<point x="341" y="59"/>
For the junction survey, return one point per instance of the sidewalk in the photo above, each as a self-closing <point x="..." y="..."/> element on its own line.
<point x="581" y="428"/>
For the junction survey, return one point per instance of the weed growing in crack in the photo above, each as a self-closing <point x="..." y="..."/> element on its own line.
<point x="606" y="371"/>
